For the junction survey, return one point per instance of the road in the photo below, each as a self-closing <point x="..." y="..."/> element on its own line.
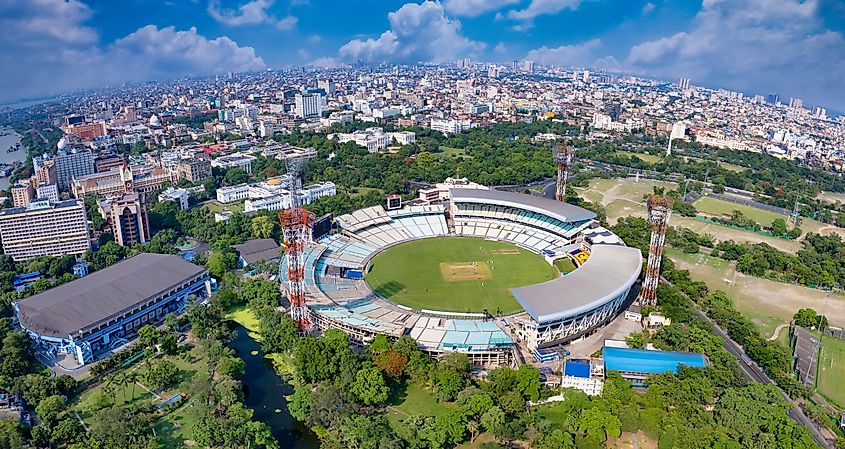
<point x="754" y="373"/>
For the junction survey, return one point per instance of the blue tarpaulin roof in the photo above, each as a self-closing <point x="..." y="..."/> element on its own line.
<point x="651" y="362"/>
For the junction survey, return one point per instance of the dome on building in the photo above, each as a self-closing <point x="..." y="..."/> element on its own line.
<point x="154" y="120"/>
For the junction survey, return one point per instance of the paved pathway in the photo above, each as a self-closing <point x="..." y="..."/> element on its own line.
<point x="777" y="331"/>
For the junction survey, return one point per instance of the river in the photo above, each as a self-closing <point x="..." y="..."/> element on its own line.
<point x="5" y="142"/>
<point x="265" y="393"/>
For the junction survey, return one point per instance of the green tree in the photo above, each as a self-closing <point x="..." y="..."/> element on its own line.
<point x="369" y="386"/>
<point x="162" y="374"/>
<point x="263" y="227"/>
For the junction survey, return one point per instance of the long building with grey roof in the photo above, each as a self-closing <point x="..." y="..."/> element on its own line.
<point x="96" y="313"/>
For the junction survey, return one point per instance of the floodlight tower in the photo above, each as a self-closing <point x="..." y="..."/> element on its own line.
<point x="659" y="211"/>
<point x="563" y="159"/>
<point x="297" y="224"/>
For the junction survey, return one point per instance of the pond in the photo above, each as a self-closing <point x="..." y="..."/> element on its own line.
<point x="265" y="393"/>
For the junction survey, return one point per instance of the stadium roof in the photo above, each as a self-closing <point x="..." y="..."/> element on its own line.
<point x="82" y="303"/>
<point x="608" y="273"/>
<point x="561" y="211"/>
<point x="649" y="362"/>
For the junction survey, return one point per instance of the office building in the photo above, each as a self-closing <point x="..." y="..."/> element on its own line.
<point x="773" y="98"/>
<point x="309" y="105"/>
<point x="127" y="215"/>
<point x="104" y="163"/>
<point x="44" y="229"/>
<point x="45" y="170"/>
<point x="796" y="103"/>
<point x="448" y="126"/>
<point x="72" y="164"/>
<point x="90" y="316"/>
<point x="48" y="192"/>
<point x="22" y="193"/>
<point x="235" y="160"/>
<point x="193" y="170"/>
<point x="684" y="83"/>
<point x="528" y="66"/>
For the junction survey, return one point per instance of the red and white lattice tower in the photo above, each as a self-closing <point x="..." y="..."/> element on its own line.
<point x="297" y="224"/>
<point x="659" y="211"/>
<point x="563" y="158"/>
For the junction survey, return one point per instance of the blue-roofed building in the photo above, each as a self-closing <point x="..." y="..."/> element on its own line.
<point x="637" y="364"/>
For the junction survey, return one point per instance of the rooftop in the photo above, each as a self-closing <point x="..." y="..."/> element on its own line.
<point x="253" y="251"/>
<point x="562" y="211"/>
<point x="609" y="272"/>
<point x="649" y="362"/>
<point x="84" y="302"/>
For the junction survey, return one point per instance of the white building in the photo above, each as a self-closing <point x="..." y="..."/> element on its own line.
<point x="233" y="193"/>
<point x="592" y="387"/>
<point x="375" y="139"/>
<point x="177" y="195"/>
<point x="48" y="191"/>
<point x="449" y="126"/>
<point x="238" y="160"/>
<point x="273" y="195"/>
<point x="309" y="105"/>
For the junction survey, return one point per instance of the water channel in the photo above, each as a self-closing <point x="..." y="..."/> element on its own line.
<point x="265" y="393"/>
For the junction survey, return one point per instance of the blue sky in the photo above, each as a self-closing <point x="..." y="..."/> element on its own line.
<point x="794" y="47"/>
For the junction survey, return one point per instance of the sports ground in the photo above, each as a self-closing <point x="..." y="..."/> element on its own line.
<point x="456" y="274"/>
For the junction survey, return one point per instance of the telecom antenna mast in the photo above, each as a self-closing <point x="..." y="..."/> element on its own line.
<point x="296" y="223"/>
<point x="563" y="159"/>
<point x="659" y="211"/>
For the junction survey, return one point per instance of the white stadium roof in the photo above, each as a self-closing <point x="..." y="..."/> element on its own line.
<point x="609" y="272"/>
<point x="562" y="211"/>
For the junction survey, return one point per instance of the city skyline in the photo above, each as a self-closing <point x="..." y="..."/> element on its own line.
<point x="758" y="47"/>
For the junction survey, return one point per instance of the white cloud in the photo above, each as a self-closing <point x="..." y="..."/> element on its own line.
<point x="567" y="55"/>
<point x="500" y="48"/>
<point x="418" y="32"/>
<point x="474" y="8"/>
<point x="327" y="62"/>
<point x="754" y="45"/>
<point x="61" y="53"/>
<point x="648" y="8"/>
<point x="541" y="7"/>
<point x="288" y="23"/>
<point x="254" y="12"/>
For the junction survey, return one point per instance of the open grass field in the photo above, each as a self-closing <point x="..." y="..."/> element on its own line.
<point x="831" y="197"/>
<point x="715" y="206"/>
<point x="647" y="158"/>
<point x="831" y="370"/>
<point x="565" y="265"/>
<point x="360" y="191"/>
<point x="451" y="151"/>
<point x="456" y="274"/>
<point x="768" y="303"/>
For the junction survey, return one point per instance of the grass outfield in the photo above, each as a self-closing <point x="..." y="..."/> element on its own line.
<point x="456" y="274"/>
<point x="832" y="370"/>
<point x="714" y="206"/>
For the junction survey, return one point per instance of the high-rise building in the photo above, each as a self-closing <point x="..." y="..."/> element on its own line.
<point x="128" y="217"/>
<point x="684" y="83"/>
<point x="528" y="66"/>
<point x="45" y="170"/>
<point x="72" y="164"/>
<point x="796" y="103"/>
<point x="44" y="228"/>
<point x="820" y="112"/>
<point x="586" y="76"/>
<point x="328" y="86"/>
<point x="309" y="105"/>
<point x="48" y="192"/>
<point x="773" y="98"/>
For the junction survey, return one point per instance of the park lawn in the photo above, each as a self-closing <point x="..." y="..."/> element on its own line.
<point x="216" y="207"/>
<point x="417" y="274"/>
<point x="361" y="191"/>
<point x="715" y="206"/>
<point x="831" y="370"/>
<point x="452" y="151"/>
<point x="732" y="167"/>
<point x="647" y="158"/>
<point x="410" y="400"/>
